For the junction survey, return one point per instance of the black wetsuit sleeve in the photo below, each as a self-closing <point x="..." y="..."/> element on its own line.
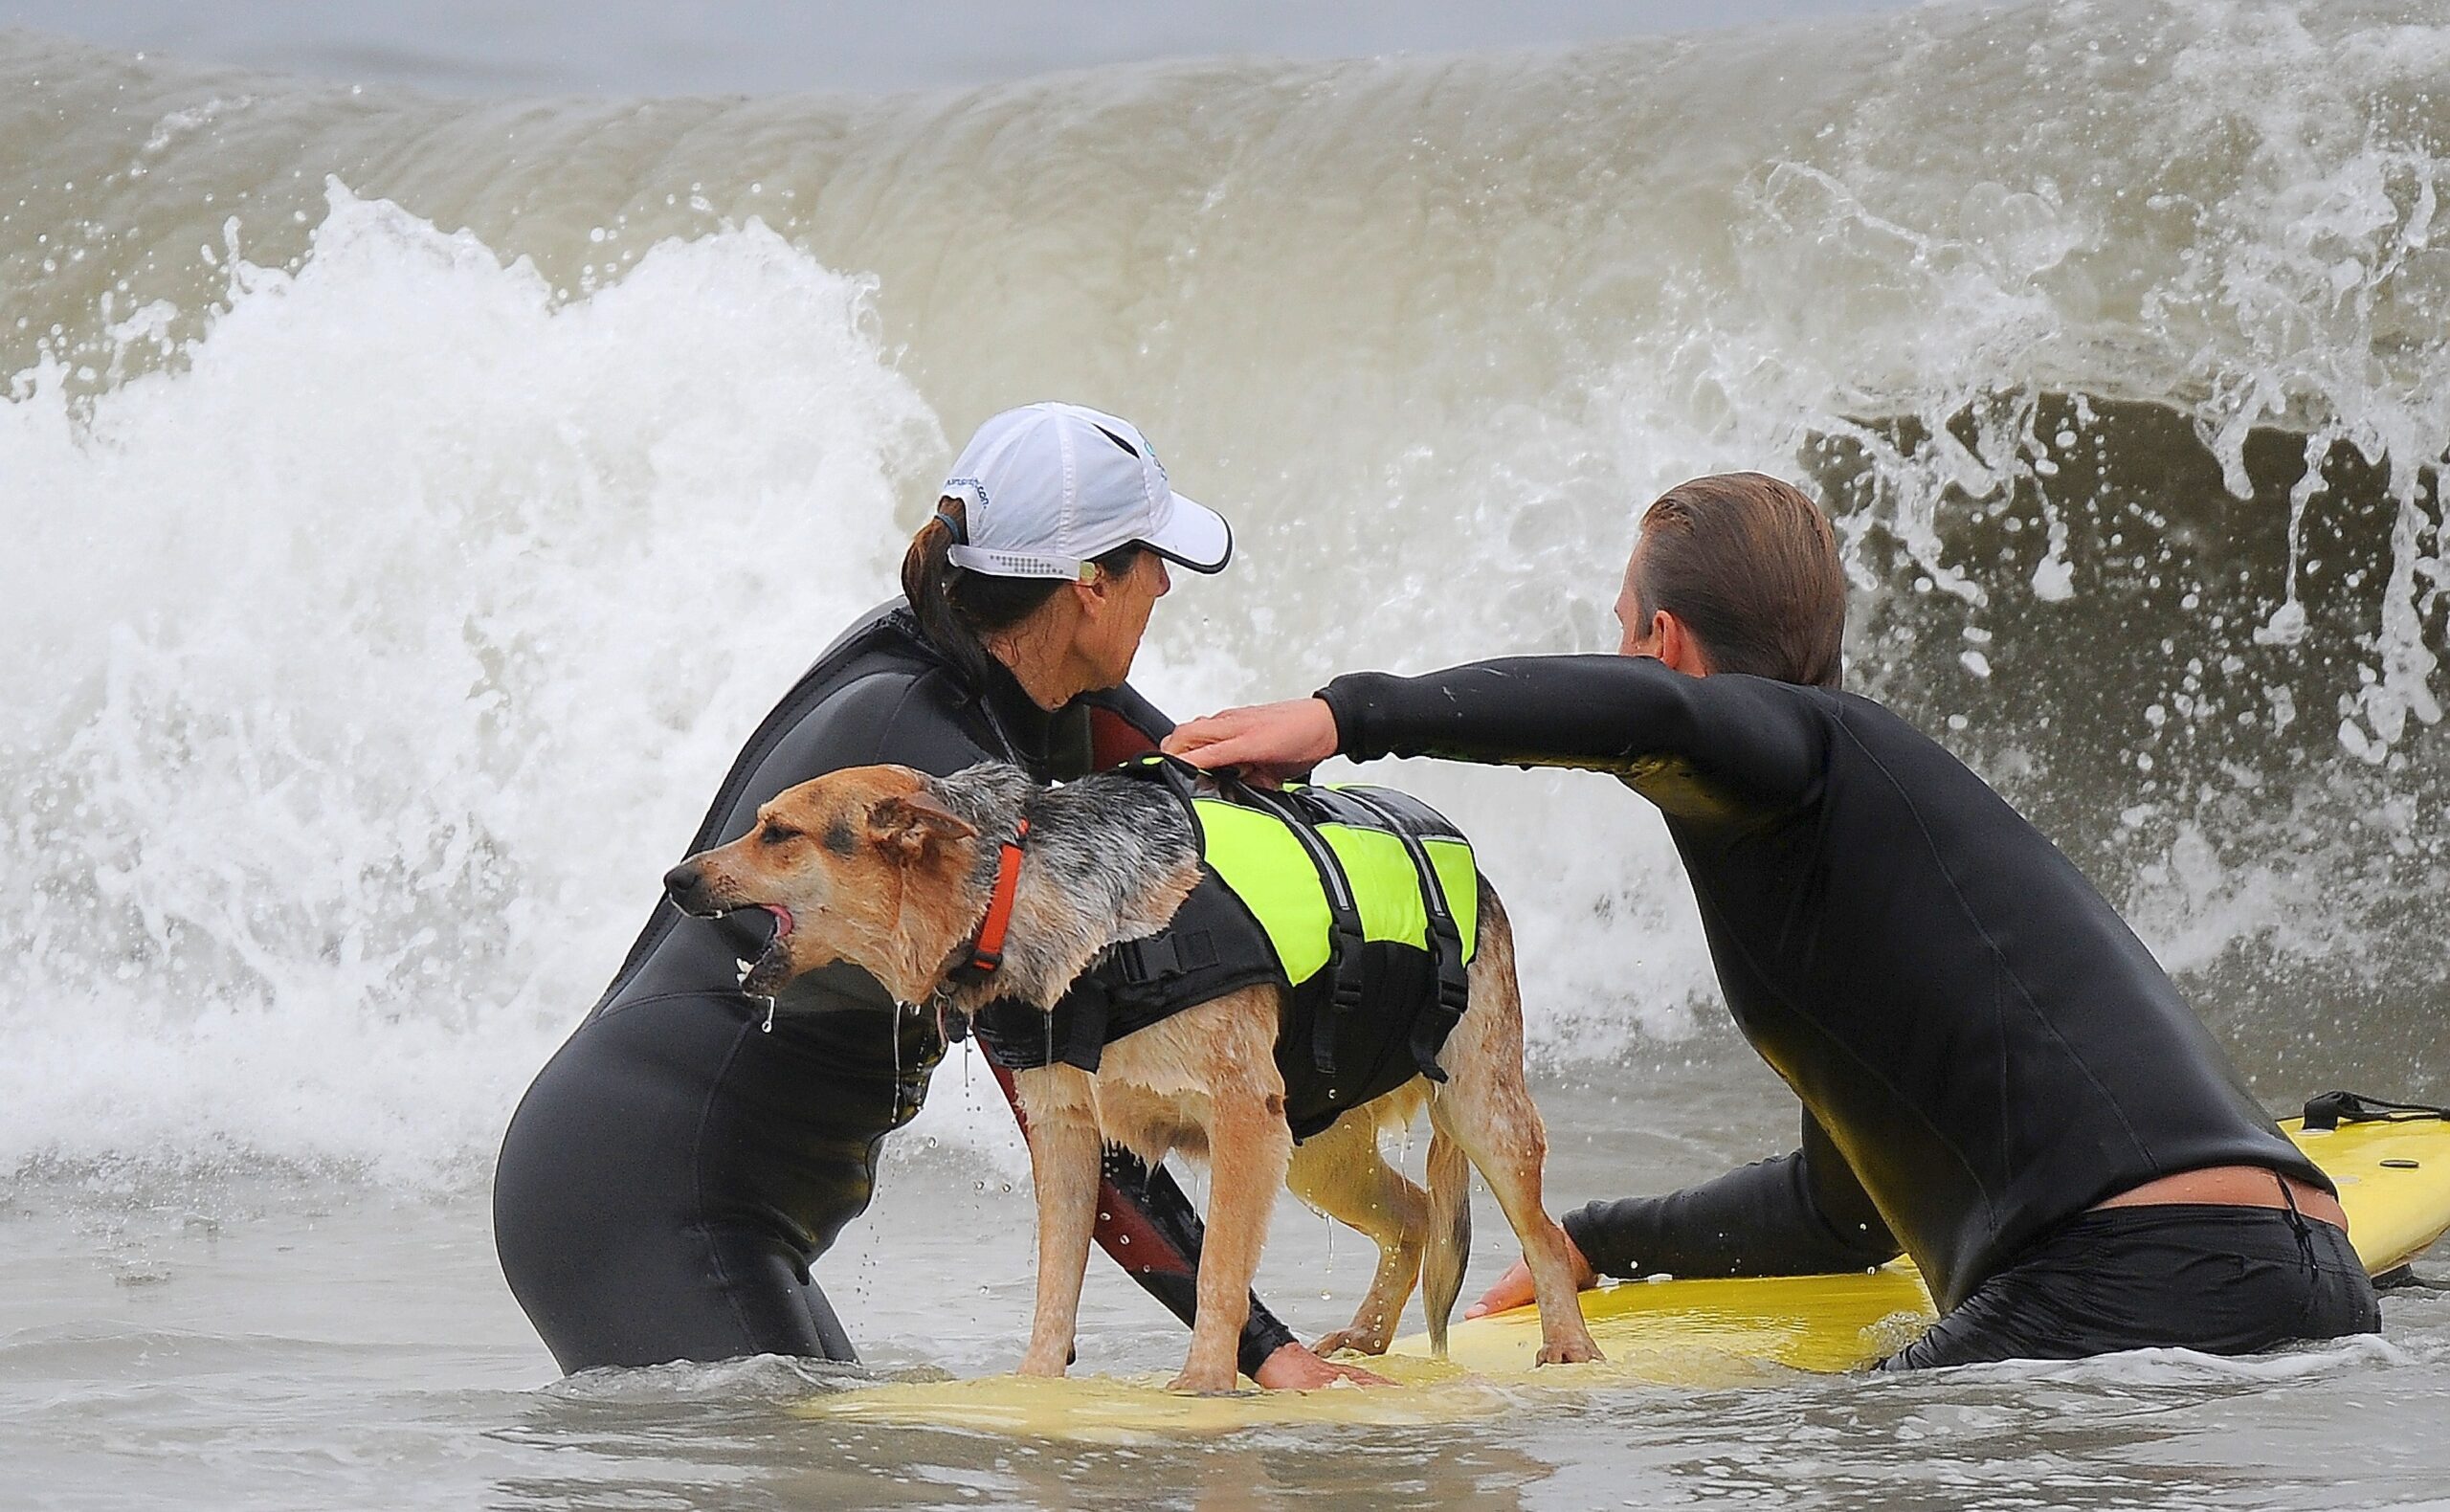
<point x="1702" y="743"/>
<point x="1799" y="1214"/>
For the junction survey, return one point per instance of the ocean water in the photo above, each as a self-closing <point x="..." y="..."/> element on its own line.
<point x="399" y="485"/>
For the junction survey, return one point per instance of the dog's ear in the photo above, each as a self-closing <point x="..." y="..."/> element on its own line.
<point x="908" y="825"/>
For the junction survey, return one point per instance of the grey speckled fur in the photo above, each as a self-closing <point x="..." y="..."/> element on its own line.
<point x="1108" y="859"/>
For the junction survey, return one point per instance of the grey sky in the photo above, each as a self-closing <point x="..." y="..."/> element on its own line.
<point x="762" y="46"/>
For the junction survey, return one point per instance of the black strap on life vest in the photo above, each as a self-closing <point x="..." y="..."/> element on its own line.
<point x="1155" y="957"/>
<point x="2331" y="1109"/>
<point x="1345" y="939"/>
<point x="1173" y="951"/>
<point x="1430" y="1028"/>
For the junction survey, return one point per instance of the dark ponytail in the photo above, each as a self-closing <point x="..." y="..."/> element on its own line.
<point x="958" y="608"/>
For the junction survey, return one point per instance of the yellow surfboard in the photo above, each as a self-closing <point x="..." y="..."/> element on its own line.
<point x="2394" y="1180"/>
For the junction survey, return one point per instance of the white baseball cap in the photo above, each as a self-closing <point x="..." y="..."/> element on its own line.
<point x="1047" y="488"/>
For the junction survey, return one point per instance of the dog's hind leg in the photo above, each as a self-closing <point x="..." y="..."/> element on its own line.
<point x="1341" y="1171"/>
<point x="1485" y="1107"/>
<point x="1061" y="1104"/>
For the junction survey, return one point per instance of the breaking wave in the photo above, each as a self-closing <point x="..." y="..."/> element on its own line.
<point x="412" y="502"/>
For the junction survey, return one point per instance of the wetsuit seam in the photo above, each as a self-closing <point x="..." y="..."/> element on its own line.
<point x="884" y="727"/>
<point x="1012" y="748"/>
<point x="1854" y="1244"/>
<point x="1999" y="957"/>
<point x="612" y="1010"/>
<point x="1009" y="749"/>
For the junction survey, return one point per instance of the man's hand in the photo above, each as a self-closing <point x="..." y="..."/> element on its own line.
<point x="1513" y="1289"/>
<point x="1295" y="1368"/>
<point x="1269" y="741"/>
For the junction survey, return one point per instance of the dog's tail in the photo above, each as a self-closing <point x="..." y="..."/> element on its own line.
<point x="1450" y="1233"/>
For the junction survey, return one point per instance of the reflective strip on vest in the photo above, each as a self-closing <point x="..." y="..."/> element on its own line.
<point x="1267" y="869"/>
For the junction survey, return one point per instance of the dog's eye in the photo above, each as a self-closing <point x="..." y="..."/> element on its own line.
<point x="777" y="833"/>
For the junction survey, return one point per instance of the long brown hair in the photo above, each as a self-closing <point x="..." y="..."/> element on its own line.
<point x="958" y="608"/>
<point x="1751" y="565"/>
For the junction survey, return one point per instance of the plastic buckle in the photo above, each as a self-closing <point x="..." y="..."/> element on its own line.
<point x="1344" y="959"/>
<point x="1139" y="959"/>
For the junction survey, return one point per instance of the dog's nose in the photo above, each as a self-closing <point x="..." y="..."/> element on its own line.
<point x="682" y="882"/>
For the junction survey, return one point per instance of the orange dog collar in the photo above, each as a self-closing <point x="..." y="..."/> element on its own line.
<point x="987" y="946"/>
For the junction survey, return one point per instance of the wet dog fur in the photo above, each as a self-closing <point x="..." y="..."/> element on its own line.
<point x="892" y="870"/>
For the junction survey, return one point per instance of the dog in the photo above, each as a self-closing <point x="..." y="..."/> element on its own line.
<point x="894" y="871"/>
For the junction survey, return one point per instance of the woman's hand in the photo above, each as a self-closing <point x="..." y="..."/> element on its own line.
<point x="1269" y="741"/>
<point x="1513" y="1289"/>
<point x="1295" y="1369"/>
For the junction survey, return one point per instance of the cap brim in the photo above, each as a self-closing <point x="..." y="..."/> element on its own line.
<point x="1192" y="535"/>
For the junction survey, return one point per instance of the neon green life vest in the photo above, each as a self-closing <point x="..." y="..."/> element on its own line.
<point x="1362" y="902"/>
<point x="1257" y="854"/>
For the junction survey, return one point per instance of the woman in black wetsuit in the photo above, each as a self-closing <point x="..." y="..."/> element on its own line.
<point x="689" y="1153"/>
<point x="1996" y="1076"/>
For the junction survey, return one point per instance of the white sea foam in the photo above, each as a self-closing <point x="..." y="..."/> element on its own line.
<point x="2167" y="1367"/>
<point x="375" y="655"/>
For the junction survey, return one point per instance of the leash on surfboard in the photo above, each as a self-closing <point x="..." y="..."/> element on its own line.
<point x="2331" y="1109"/>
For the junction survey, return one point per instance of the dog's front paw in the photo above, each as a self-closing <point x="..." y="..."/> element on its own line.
<point x="1360" y="1340"/>
<point x="1199" y="1381"/>
<point x="1044" y="1366"/>
<point x="1571" y="1351"/>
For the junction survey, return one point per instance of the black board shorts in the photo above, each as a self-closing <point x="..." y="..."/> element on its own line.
<point x="2220" y="1279"/>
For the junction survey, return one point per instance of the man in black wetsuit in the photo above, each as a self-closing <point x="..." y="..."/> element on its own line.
<point x="690" y="1152"/>
<point x="1996" y="1076"/>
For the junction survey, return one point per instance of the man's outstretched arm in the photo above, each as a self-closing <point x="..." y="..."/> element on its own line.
<point x="1725" y="739"/>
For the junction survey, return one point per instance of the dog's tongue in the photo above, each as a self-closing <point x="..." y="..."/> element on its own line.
<point x="781" y="919"/>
